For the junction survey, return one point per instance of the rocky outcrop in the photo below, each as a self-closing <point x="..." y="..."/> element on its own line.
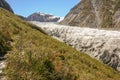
<point x="95" y="13"/>
<point x="103" y="45"/>
<point x="5" y="5"/>
<point x="42" y="17"/>
<point x="2" y="67"/>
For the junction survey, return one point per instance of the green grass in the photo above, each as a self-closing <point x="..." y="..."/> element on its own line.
<point x="33" y="55"/>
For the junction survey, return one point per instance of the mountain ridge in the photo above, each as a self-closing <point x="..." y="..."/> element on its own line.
<point x="5" y="5"/>
<point x="94" y="13"/>
<point x="42" y="17"/>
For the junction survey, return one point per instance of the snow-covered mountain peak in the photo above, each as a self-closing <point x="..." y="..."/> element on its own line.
<point x="43" y="17"/>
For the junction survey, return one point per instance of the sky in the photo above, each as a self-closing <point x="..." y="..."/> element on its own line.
<point x="55" y="7"/>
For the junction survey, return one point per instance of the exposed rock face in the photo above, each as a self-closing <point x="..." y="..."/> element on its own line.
<point x="95" y="13"/>
<point x="103" y="45"/>
<point x="42" y="17"/>
<point x="5" y="5"/>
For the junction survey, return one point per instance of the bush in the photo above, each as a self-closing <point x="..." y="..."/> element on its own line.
<point x="4" y="43"/>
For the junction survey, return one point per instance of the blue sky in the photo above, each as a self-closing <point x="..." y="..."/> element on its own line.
<point x="56" y="7"/>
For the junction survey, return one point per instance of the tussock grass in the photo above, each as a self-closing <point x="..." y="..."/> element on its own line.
<point x="36" y="56"/>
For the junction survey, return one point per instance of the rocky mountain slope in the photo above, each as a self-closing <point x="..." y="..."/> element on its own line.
<point x="5" y="5"/>
<point x="95" y="13"/>
<point x="103" y="45"/>
<point x="33" y="55"/>
<point x="42" y="17"/>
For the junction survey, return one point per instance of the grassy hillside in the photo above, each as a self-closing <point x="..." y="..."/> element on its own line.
<point x="33" y="55"/>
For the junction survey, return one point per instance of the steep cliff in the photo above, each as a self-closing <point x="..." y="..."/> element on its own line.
<point x="95" y="13"/>
<point x="5" y="5"/>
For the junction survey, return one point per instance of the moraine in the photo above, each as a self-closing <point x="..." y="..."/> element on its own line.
<point x="103" y="45"/>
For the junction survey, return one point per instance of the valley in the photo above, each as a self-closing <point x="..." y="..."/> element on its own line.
<point x="101" y="44"/>
<point x="83" y="45"/>
<point x="32" y="54"/>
